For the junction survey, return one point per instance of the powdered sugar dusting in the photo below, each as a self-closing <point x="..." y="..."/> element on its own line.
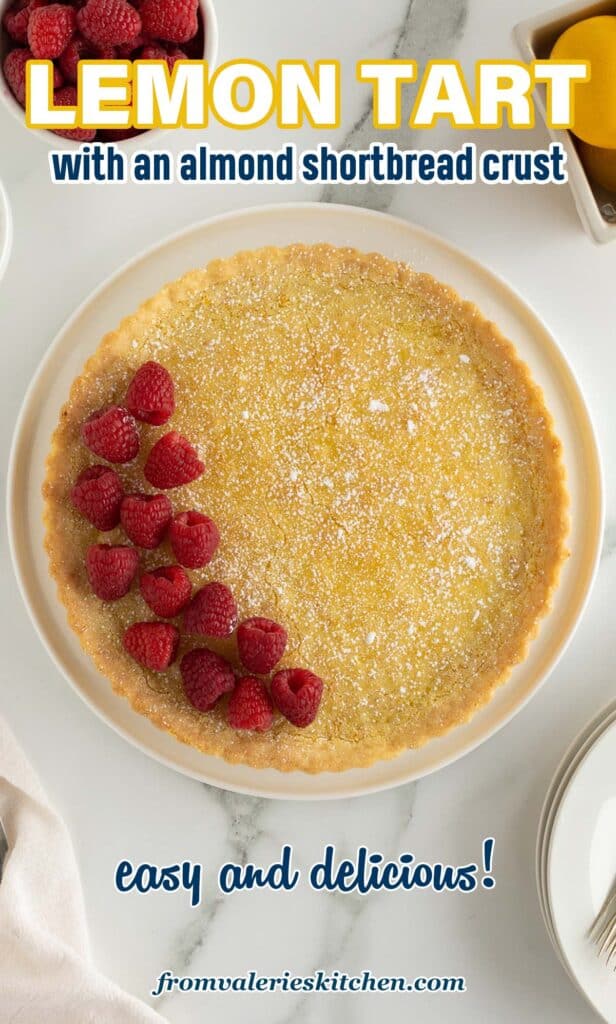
<point x="387" y="507"/>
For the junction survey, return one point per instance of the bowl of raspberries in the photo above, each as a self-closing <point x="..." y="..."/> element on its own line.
<point x="75" y="30"/>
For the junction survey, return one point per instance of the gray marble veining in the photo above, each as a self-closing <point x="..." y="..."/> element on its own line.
<point x="243" y="828"/>
<point x="429" y="30"/>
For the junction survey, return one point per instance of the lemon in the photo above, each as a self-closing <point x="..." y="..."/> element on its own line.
<point x="599" y="164"/>
<point x="593" y="39"/>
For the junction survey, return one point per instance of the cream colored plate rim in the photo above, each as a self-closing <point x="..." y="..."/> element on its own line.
<point x="281" y="225"/>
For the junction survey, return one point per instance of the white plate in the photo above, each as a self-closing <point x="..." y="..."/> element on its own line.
<point x="582" y="868"/>
<point x="565" y="771"/>
<point x="6" y="230"/>
<point x="281" y="225"/>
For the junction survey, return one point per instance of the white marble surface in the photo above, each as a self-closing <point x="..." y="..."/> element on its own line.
<point x="116" y="801"/>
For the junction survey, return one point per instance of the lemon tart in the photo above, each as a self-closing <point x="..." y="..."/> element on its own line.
<point x="385" y="481"/>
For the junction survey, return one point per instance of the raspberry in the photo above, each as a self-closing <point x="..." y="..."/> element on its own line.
<point x="153" y="51"/>
<point x="297" y="693"/>
<point x="109" y="22"/>
<point x="172" y="20"/>
<point x="175" y="53"/>
<point x="98" y="494"/>
<point x="50" y="29"/>
<point x="17" y="17"/>
<point x="112" y="434"/>
<point x="145" y="518"/>
<point x="212" y="611"/>
<point x="250" y="706"/>
<point x="153" y="644"/>
<point x="172" y="462"/>
<point x="76" y="50"/>
<point x="166" y="590"/>
<point x="261" y="644"/>
<point x="206" y="676"/>
<point x="127" y="50"/>
<point x="156" y="52"/>
<point x="67" y="97"/>
<point x="15" y="73"/>
<point x="111" y="570"/>
<point x="117" y="134"/>
<point x="80" y="49"/>
<point x="150" y="394"/>
<point x="194" y="539"/>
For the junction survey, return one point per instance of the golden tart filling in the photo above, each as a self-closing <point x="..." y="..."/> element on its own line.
<point x="384" y="479"/>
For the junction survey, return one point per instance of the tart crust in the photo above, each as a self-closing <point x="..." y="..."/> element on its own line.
<point x="386" y="480"/>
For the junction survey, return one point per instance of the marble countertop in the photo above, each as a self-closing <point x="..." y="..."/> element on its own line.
<point x="117" y="802"/>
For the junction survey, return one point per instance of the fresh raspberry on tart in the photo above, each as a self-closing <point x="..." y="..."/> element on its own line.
<point x="145" y="518"/>
<point x="97" y="494"/>
<point x="172" y="462"/>
<point x="261" y="644"/>
<point x="194" y="539"/>
<point x="206" y="676"/>
<point x="153" y="644"/>
<point x="166" y="590"/>
<point x="150" y="396"/>
<point x="250" y="706"/>
<point x="111" y="570"/>
<point x="111" y="433"/>
<point x="297" y="692"/>
<point x="212" y="612"/>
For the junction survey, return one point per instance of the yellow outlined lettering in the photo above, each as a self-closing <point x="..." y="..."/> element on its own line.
<point x="387" y="77"/>
<point x="223" y="83"/>
<point x="40" y="111"/>
<point x="170" y="99"/>
<point x="515" y="97"/>
<point x="311" y="94"/>
<point x="432" y="104"/>
<point x="558" y="77"/>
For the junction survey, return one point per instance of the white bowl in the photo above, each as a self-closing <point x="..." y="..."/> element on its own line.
<point x="6" y="230"/>
<point x="147" y="138"/>
<point x="535" y="39"/>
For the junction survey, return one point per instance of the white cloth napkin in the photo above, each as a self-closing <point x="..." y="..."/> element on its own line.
<point x="46" y="970"/>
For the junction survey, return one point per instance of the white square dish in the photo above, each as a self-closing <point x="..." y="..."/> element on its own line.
<point x="535" y="39"/>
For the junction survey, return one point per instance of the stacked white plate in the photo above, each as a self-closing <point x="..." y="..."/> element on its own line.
<point x="576" y="857"/>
